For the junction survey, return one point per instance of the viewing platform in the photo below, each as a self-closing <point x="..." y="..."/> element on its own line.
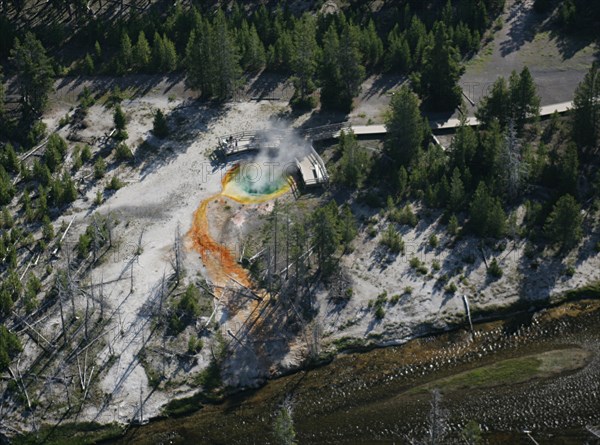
<point x="310" y="166"/>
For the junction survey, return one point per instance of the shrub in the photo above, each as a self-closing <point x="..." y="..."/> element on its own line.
<point x="160" y="127"/>
<point x="371" y="231"/>
<point x="9" y="347"/>
<point x="85" y="98"/>
<point x="114" y="184"/>
<point x="433" y="241"/>
<point x="99" y="168"/>
<point x="119" y="118"/>
<point x="99" y="198"/>
<point x="123" y="152"/>
<point x="451" y="288"/>
<point x="86" y="153"/>
<point x="408" y="290"/>
<point x="348" y="293"/>
<point x="379" y="313"/>
<point x="392" y="239"/>
<point x="195" y="345"/>
<point x="563" y="225"/>
<point x="453" y="225"/>
<point x="435" y="265"/>
<point x="494" y="270"/>
<point x="405" y="216"/>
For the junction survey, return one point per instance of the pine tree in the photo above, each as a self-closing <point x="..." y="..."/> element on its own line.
<point x="304" y="62"/>
<point x="496" y="105"/>
<point x="488" y="163"/>
<point x="416" y="36"/>
<point x="371" y="46"/>
<point x="35" y="74"/>
<point x="330" y="73"/>
<point x="120" y="123"/>
<point x="487" y="216"/>
<point x="525" y="102"/>
<point x="252" y="51"/>
<point x="585" y="123"/>
<point x="441" y="72"/>
<point x="347" y="225"/>
<point x="457" y="192"/>
<point x="199" y="59"/>
<point x="88" y="65"/>
<point x="69" y="191"/>
<point x="405" y="128"/>
<point x="283" y="53"/>
<point x="158" y="53"/>
<point x="9" y="342"/>
<point x="169" y="62"/>
<point x="263" y="22"/>
<point x="353" y="166"/>
<point x="349" y="61"/>
<point x="226" y="59"/>
<point x="2" y="106"/>
<point x="326" y="236"/>
<point x="563" y="225"/>
<point x="52" y="158"/>
<point x="160" y="127"/>
<point x="42" y="204"/>
<point x="10" y="160"/>
<point x="141" y="52"/>
<point x="568" y="171"/>
<point x="398" y="54"/>
<point x="7" y="190"/>
<point x="463" y="149"/>
<point x="125" y="53"/>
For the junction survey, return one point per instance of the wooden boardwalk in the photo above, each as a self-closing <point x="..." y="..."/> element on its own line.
<point x="333" y="131"/>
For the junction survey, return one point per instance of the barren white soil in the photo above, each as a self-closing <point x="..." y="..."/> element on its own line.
<point x="430" y="305"/>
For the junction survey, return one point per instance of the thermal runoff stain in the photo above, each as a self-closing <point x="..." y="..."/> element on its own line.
<point x="245" y="188"/>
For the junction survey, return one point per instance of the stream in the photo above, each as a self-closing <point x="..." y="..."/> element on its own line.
<point x="532" y="371"/>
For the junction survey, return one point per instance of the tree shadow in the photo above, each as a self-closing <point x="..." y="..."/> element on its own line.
<point x="137" y="84"/>
<point x="383" y="257"/>
<point x="524" y="24"/>
<point x="267" y="86"/>
<point x="383" y="84"/>
<point x="538" y="278"/>
<point x="589" y="248"/>
<point x="465" y="256"/>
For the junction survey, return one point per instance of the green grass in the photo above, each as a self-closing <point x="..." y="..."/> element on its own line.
<point x="181" y="407"/>
<point x="510" y="371"/>
<point x="591" y="290"/>
<point x="505" y="372"/>
<point x="82" y="433"/>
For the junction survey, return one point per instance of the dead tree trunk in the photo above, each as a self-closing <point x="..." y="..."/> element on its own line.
<point x="131" y="277"/>
<point x="87" y="314"/>
<point x="62" y="312"/>
<point x="138" y="250"/>
<point x="178" y="256"/>
<point x="109" y="224"/>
